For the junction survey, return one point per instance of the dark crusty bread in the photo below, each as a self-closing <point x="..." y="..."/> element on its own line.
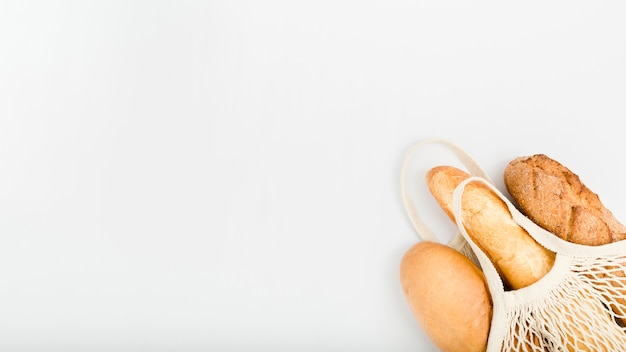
<point x="554" y="198"/>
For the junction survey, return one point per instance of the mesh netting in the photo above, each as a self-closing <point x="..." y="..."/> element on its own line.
<point x="584" y="312"/>
<point x="580" y="305"/>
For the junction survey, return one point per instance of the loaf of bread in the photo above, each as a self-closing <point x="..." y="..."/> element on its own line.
<point x="518" y="258"/>
<point x="555" y="198"/>
<point x="448" y="295"/>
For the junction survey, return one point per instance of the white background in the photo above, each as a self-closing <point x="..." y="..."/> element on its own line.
<point x="224" y="175"/>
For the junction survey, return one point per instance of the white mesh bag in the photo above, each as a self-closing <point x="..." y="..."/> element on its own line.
<point x="580" y="305"/>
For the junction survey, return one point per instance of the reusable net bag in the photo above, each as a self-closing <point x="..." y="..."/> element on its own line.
<point x="579" y="305"/>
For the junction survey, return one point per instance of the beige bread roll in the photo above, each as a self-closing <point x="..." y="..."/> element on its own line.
<point x="448" y="296"/>
<point x="555" y="198"/>
<point x="519" y="259"/>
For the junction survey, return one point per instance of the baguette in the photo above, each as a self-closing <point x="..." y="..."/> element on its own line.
<point x="518" y="258"/>
<point x="448" y="295"/>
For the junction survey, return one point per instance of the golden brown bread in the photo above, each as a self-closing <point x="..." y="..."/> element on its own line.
<point x="519" y="259"/>
<point x="441" y="182"/>
<point x="448" y="295"/>
<point x="554" y="198"/>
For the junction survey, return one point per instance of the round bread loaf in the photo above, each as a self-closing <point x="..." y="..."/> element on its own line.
<point x="448" y="295"/>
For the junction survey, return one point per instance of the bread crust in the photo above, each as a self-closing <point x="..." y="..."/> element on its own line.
<point x="554" y="198"/>
<point x="448" y="295"/>
<point x="519" y="259"/>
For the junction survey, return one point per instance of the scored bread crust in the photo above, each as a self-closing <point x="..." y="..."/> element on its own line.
<point x="554" y="197"/>
<point x="519" y="259"/>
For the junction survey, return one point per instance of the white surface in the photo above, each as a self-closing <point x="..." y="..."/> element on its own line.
<point x="224" y="175"/>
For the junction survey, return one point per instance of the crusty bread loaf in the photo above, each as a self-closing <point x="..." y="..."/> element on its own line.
<point x="554" y="198"/>
<point x="519" y="259"/>
<point x="448" y="295"/>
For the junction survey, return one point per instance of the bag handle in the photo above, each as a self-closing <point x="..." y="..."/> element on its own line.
<point x="419" y="225"/>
